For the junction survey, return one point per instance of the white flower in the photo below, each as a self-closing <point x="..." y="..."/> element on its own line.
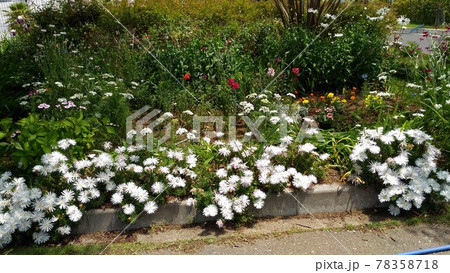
<point x="107" y="145"/>
<point x="307" y="148"/>
<point x="394" y="210"/>
<point x="259" y="194"/>
<point x="66" y="143"/>
<point x="219" y="223"/>
<point x="241" y="203"/>
<point x="403" y="204"/>
<point x="403" y="21"/>
<point x="40" y="237"/>
<point x="274" y="120"/>
<point x="221" y="173"/>
<point x="210" y="211"/>
<point x="157" y="187"/>
<point x="181" y="131"/>
<point x="64" y="230"/>
<point x="74" y="213"/>
<point x="235" y="145"/>
<point x="286" y="140"/>
<point x="128" y="209"/>
<point x="117" y="198"/>
<point x="188" y="112"/>
<point x="131" y="134"/>
<point x="224" y="151"/>
<point x="150" y="207"/>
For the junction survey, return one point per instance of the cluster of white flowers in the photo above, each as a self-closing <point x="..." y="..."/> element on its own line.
<point x="238" y="185"/>
<point x="407" y="180"/>
<point x="22" y="208"/>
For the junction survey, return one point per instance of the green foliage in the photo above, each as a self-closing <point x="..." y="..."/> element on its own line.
<point x="422" y="11"/>
<point x="31" y="137"/>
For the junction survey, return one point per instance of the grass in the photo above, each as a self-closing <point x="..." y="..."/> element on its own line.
<point x="190" y="245"/>
<point x="425" y="26"/>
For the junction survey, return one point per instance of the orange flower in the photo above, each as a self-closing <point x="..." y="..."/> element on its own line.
<point x="354" y="88"/>
<point x="312" y="95"/>
<point x="352" y="97"/>
<point x="313" y="99"/>
<point x="295" y="92"/>
<point x="352" y="93"/>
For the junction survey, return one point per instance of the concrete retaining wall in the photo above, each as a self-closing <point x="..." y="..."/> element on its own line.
<point x="320" y="198"/>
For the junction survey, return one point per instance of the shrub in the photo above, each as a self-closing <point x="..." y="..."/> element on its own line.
<point x="31" y="137"/>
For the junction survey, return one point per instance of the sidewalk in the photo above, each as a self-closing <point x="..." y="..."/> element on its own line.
<point x="356" y="233"/>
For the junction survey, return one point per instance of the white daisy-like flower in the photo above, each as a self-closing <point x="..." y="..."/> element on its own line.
<point x="46" y="224"/>
<point x="224" y="151"/>
<point x="235" y="145"/>
<point x="394" y="210"/>
<point x="221" y="173"/>
<point x="210" y="211"/>
<point x="64" y="230"/>
<point x="64" y="144"/>
<point x="307" y="148"/>
<point x="157" y="187"/>
<point x="41" y="237"/>
<point x="150" y="207"/>
<point x="128" y="209"/>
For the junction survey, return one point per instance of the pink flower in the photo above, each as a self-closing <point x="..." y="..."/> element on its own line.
<point x="330" y="115"/>
<point x="43" y="106"/>
<point x="271" y="72"/>
<point x="296" y="71"/>
<point x="69" y="105"/>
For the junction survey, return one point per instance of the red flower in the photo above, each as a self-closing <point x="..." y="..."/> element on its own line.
<point x="187" y="76"/>
<point x="278" y="59"/>
<point x="234" y="85"/>
<point x="204" y="48"/>
<point x="428" y="70"/>
<point x="296" y="71"/>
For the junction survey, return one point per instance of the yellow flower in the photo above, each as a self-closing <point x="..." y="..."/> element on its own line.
<point x="305" y="101"/>
<point x="344" y="101"/>
<point x="330" y="95"/>
<point x="265" y="101"/>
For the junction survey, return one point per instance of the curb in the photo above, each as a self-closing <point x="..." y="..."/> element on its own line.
<point x="320" y="198"/>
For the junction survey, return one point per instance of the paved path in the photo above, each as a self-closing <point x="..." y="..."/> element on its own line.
<point x="385" y="242"/>
<point x="292" y="235"/>
<point x="416" y="36"/>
